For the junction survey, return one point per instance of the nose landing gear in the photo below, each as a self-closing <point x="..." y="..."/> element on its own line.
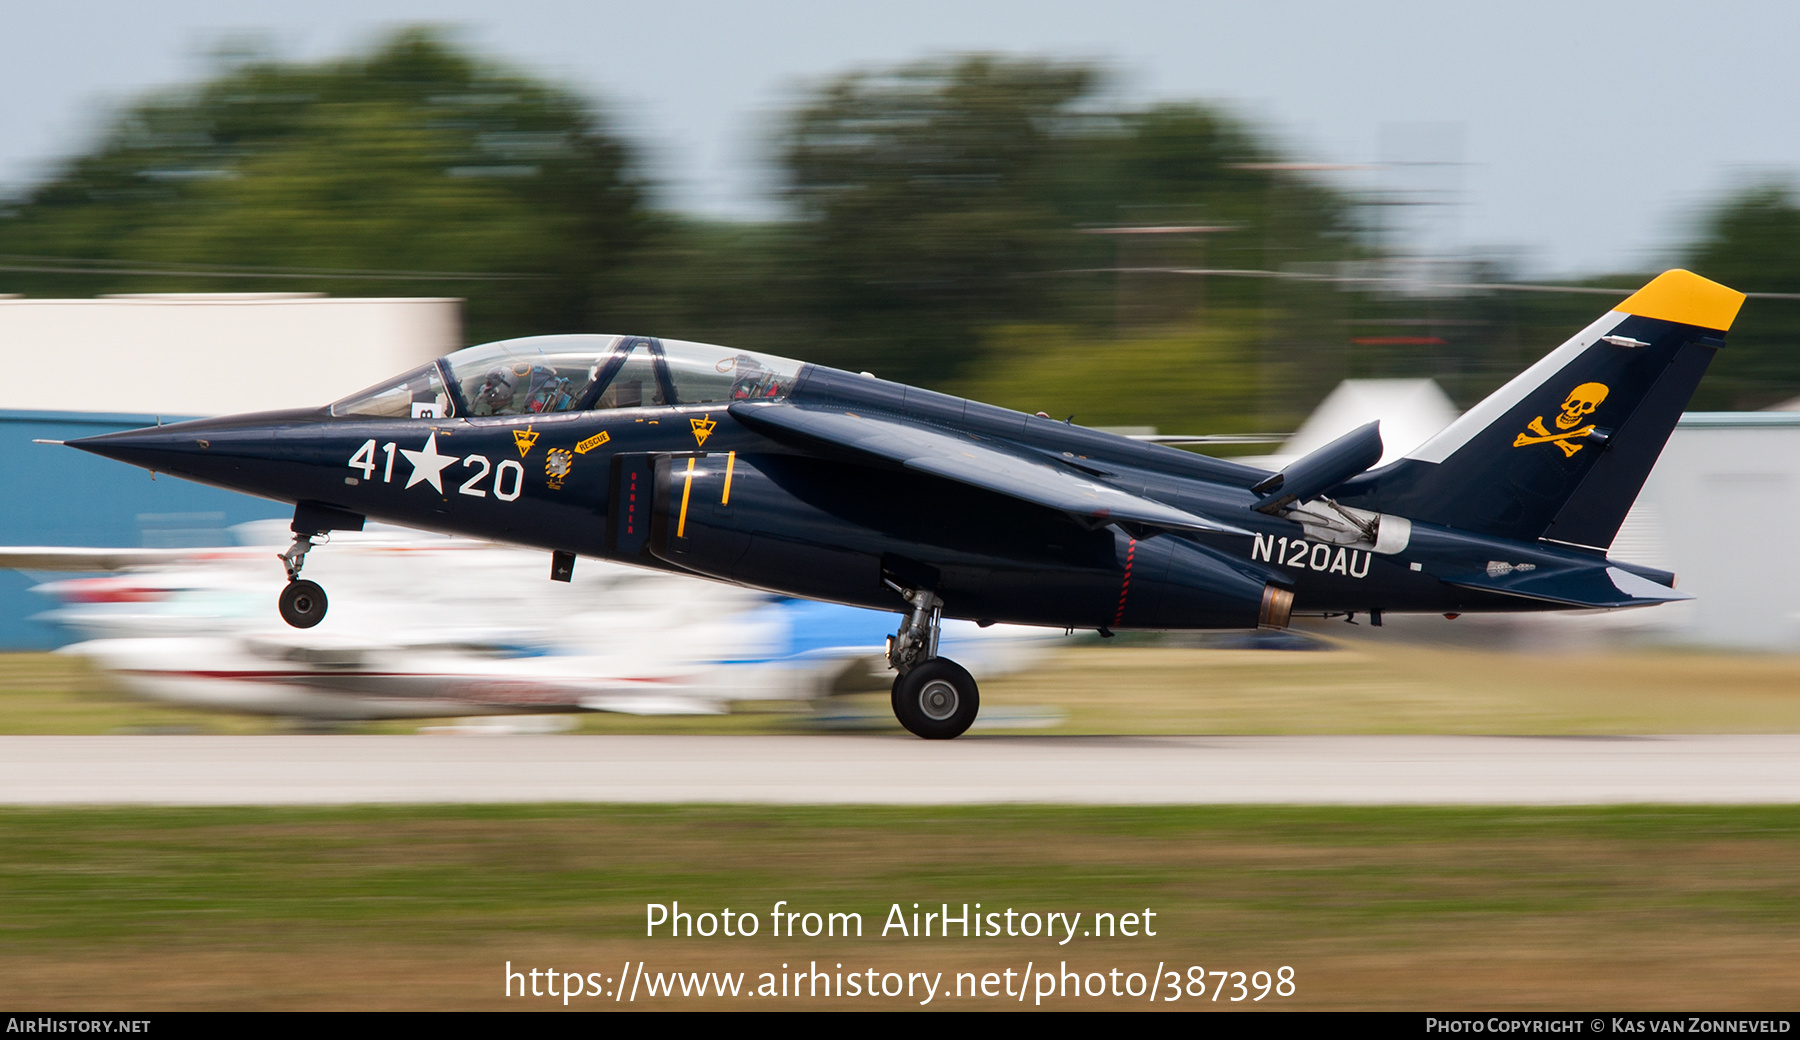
<point x="934" y="697"/>
<point x="302" y="603"/>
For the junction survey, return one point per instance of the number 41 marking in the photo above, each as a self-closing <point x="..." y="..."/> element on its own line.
<point x="364" y="459"/>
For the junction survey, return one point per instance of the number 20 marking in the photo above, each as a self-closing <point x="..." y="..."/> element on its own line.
<point x="508" y="466"/>
<point x="501" y="472"/>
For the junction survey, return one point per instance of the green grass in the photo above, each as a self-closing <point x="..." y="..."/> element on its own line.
<point x="55" y="694"/>
<point x="417" y="907"/>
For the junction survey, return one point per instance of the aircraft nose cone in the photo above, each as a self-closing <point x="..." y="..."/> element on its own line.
<point x="212" y="450"/>
<point x="166" y="448"/>
<point x="152" y="448"/>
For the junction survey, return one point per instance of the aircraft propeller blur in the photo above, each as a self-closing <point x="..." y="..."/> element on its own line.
<point x="813" y="482"/>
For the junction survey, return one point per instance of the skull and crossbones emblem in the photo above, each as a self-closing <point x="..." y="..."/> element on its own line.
<point x="1580" y="404"/>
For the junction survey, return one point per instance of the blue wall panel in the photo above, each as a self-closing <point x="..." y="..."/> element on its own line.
<point x="52" y="495"/>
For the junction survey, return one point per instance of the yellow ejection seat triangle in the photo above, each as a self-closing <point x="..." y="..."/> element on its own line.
<point x="1685" y="297"/>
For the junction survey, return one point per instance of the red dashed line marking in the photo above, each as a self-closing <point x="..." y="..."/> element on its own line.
<point x="1125" y="586"/>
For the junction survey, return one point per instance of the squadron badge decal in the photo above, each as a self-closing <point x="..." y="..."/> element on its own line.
<point x="525" y="439"/>
<point x="1580" y="404"/>
<point x="703" y="428"/>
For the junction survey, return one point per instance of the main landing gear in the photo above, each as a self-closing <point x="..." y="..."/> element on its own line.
<point x="303" y="602"/>
<point x="934" y="697"/>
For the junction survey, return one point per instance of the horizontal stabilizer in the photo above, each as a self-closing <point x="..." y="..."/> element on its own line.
<point x="1603" y="586"/>
<point x="1308" y="478"/>
<point x="968" y="461"/>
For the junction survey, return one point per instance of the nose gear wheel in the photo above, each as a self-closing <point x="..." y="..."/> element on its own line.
<point x="302" y="603"/>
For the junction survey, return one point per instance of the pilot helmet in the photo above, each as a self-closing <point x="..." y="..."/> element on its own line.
<point x="497" y="389"/>
<point x="752" y="379"/>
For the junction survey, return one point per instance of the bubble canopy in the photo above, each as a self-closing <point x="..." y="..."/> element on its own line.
<point x="544" y="374"/>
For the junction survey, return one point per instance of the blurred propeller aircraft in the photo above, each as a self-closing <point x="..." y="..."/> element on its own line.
<point x="830" y="485"/>
<point x="190" y="626"/>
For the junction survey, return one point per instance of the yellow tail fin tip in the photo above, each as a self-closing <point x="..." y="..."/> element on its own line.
<point x="1685" y="297"/>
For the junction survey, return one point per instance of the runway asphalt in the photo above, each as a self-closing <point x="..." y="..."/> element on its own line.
<point x="897" y="770"/>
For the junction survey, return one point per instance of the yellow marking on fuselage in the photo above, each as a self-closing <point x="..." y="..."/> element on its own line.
<point x="730" y="463"/>
<point x="686" y="486"/>
<point x="592" y="442"/>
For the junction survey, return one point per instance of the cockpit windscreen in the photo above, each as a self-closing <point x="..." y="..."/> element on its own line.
<point x="527" y="376"/>
<point x="542" y="374"/>
<point x="418" y="394"/>
<point x="702" y="373"/>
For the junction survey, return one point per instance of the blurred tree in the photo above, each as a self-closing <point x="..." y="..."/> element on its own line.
<point x="414" y="157"/>
<point x="1751" y="241"/>
<point x="936" y="200"/>
<point x="923" y="199"/>
<point x="1179" y="379"/>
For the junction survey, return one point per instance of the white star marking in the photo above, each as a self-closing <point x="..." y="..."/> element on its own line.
<point x="428" y="465"/>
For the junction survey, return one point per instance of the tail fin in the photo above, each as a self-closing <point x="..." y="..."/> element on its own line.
<point x="1561" y="451"/>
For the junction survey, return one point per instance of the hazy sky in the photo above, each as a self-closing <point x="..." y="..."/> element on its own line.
<point x="1584" y="135"/>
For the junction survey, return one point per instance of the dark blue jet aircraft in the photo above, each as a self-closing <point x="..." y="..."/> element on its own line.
<point x="836" y="486"/>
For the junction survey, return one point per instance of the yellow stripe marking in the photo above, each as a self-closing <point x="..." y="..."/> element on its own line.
<point x="730" y="461"/>
<point x="1687" y="298"/>
<point x="686" y="486"/>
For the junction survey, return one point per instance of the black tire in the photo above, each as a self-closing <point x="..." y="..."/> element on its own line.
<point x="937" y="700"/>
<point x="303" y="604"/>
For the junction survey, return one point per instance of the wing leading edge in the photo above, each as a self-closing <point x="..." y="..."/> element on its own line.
<point x="967" y="461"/>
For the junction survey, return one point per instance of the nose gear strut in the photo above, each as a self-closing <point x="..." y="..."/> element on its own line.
<point x="302" y="603"/>
<point x="295" y="557"/>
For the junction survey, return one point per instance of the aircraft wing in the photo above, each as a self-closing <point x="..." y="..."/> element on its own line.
<point x="81" y="559"/>
<point x="968" y="461"/>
